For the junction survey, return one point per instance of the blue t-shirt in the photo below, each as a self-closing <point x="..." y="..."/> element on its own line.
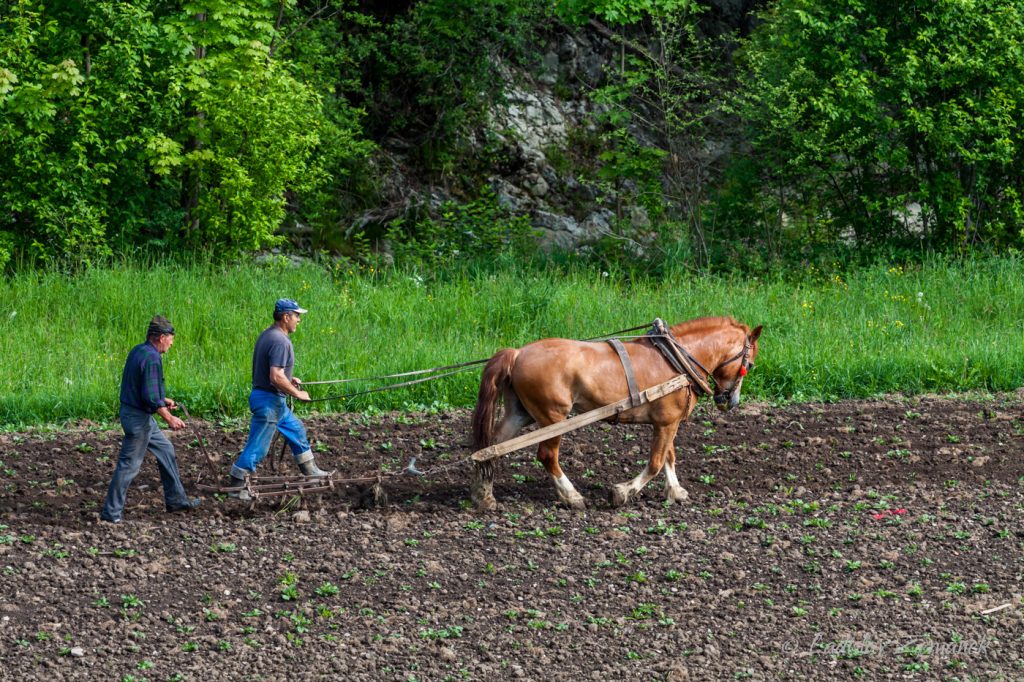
<point x="273" y="349"/>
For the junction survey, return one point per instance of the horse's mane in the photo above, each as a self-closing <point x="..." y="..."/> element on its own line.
<point x="704" y="324"/>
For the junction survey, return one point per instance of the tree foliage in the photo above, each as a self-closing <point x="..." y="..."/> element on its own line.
<point x="883" y="122"/>
<point x="218" y="125"/>
<point x="151" y="123"/>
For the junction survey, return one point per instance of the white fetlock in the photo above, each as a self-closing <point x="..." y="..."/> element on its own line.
<point x="576" y="501"/>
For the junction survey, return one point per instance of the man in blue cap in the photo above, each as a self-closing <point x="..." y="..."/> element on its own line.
<point x="273" y="360"/>
<point x="142" y="396"/>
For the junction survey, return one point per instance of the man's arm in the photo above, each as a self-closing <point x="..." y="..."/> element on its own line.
<point x="172" y="421"/>
<point x="280" y="380"/>
<point x="153" y="394"/>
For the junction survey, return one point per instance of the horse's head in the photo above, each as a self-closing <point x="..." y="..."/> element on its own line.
<point x="729" y="374"/>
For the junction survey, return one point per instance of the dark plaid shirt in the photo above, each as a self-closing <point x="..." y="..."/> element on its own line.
<point x="142" y="382"/>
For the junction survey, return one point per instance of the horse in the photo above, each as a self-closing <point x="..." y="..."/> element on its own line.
<point x="545" y="380"/>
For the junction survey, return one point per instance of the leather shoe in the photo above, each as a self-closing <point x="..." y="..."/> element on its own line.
<point x="189" y="505"/>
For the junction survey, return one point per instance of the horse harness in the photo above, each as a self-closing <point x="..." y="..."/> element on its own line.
<point x="627" y="367"/>
<point x="680" y="359"/>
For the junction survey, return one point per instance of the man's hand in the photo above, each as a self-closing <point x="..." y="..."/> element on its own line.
<point x="302" y="395"/>
<point x="171" y="420"/>
<point x="171" y="405"/>
<point x="296" y="382"/>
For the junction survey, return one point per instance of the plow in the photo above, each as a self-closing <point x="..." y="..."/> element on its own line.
<point x="258" y="487"/>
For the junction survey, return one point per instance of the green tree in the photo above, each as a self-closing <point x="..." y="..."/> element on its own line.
<point x="79" y="98"/>
<point x="661" y="104"/>
<point x="153" y="123"/>
<point x="250" y="131"/>
<point x="326" y="45"/>
<point x="438" y="70"/>
<point x="862" y="111"/>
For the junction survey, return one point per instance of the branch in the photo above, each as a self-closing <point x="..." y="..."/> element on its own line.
<point x="632" y="46"/>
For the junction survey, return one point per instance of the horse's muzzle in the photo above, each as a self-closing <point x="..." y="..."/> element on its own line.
<point x="727" y="400"/>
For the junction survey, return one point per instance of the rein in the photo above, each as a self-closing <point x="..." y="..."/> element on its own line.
<point x="658" y="333"/>
<point x="434" y="372"/>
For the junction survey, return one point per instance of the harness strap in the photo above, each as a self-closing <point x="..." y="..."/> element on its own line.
<point x="678" y="357"/>
<point x="627" y="366"/>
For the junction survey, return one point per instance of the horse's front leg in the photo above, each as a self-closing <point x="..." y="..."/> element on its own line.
<point x="673" y="491"/>
<point x="660" y="447"/>
<point x="547" y="453"/>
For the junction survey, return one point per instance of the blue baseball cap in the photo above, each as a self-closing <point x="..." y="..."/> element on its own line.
<point x="287" y="305"/>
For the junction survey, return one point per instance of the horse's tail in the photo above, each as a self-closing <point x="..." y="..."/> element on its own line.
<point x="496" y="375"/>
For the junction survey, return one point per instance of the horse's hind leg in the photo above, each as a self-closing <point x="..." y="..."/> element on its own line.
<point x="481" y="487"/>
<point x="547" y="453"/>
<point x="660" y="448"/>
<point x="481" y="490"/>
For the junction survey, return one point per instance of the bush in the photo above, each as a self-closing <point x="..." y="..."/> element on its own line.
<point x="479" y="229"/>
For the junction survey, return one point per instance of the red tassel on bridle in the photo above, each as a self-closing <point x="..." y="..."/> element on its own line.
<point x="743" y="371"/>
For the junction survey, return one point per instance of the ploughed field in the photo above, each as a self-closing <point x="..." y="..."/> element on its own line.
<point x="820" y="541"/>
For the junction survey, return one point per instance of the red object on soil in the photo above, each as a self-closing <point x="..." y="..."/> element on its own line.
<point x="888" y="512"/>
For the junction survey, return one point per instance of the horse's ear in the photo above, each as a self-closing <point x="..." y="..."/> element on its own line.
<point x="756" y="333"/>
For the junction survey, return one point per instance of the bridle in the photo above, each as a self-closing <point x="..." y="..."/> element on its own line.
<point x="745" y="366"/>
<point x="743" y="356"/>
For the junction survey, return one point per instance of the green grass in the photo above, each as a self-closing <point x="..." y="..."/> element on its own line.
<point x="941" y="327"/>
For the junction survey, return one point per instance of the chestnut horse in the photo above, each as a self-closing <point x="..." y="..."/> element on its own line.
<point x="545" y="380"/>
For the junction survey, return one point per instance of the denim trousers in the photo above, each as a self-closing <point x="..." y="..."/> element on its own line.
<point x="142" y="433"/>
<point x="270" y="412"/>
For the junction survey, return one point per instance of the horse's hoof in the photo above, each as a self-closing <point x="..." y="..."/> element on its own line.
<point x="616" y="496"/>
<point x="486" y="504"/>
<point x="678" y="495"/>
<point x="578" y="503"/>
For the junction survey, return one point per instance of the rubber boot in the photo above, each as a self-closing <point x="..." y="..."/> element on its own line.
<point x="308" y="467"/>
<point x="239" y="491"/>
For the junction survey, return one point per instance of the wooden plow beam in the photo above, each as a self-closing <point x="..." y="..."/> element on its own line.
<point x="649" y="395"/>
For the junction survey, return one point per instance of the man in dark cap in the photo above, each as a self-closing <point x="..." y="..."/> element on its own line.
<point x="142" y="396"/>
<point x="273" y="361"/>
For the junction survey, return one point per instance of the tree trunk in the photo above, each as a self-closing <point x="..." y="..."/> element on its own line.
<point x="190" y="186"/>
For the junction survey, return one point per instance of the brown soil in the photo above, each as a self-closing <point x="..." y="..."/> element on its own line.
<point x="819" y="542"/>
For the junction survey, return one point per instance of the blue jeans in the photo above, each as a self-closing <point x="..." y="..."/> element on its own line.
<point x="141" y="433"/>
<point x="270" y="412"/>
